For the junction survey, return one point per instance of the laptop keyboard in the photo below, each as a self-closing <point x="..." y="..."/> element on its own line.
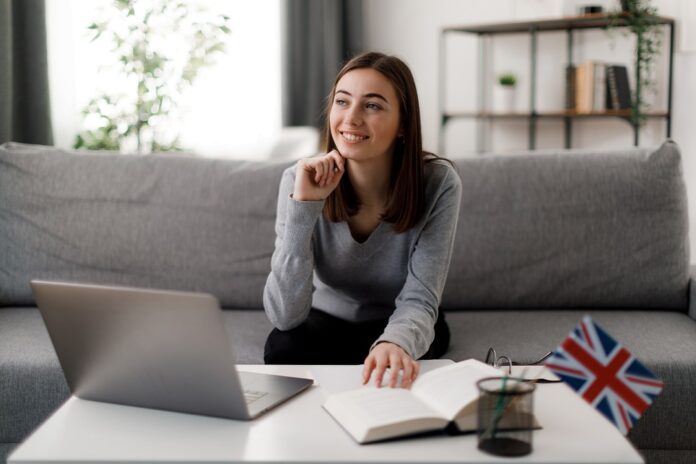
<point x="250" y="395"/>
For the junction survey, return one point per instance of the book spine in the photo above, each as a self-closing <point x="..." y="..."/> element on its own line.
<point x="623" y="89"/>
<point x="612" y="95"/>
<point x="589" y="95"/>
<point x="571" y="71"/>
<point x="599" y="86"/>
<point x="584" y="86"/>
<point x="579" y="88"/>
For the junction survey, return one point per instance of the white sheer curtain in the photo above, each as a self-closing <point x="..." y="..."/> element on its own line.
<point x="233" y="109"/>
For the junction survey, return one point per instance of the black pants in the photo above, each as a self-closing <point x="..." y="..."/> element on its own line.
<point x="325" y="339"/>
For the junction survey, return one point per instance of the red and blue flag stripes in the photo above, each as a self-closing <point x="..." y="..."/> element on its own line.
<point x="605" y="374"/>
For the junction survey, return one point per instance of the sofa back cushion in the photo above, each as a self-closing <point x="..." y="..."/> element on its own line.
<point x="161" y="221"/>
<point x="583" y="229"/>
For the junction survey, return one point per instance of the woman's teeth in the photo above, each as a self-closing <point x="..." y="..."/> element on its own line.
<point x="353" y="137"/>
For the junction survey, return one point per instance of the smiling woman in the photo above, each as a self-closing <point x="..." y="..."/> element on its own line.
<point x="364" y="234"/>
<point x="233" y="108"/>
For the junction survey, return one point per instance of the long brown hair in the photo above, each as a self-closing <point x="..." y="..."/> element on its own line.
<point x="406" y="198"/>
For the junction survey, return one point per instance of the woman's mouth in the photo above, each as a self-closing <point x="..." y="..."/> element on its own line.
<point x="353" y="138"/>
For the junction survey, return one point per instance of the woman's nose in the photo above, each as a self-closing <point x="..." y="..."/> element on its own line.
<point x="354" y="118"/>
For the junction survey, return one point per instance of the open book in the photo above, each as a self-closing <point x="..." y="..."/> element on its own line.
<point x="447" y="395"/>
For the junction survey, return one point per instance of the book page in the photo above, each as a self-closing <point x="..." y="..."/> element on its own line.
<point x="380" y="406"/>
<point x="449" y="389"/>
<point x="336" y="379"/>
<point x="382" y="410"/>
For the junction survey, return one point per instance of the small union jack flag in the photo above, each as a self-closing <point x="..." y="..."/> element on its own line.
<point x="603" y="372"/>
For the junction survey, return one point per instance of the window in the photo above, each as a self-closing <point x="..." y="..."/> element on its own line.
<point x="233" y="108"/>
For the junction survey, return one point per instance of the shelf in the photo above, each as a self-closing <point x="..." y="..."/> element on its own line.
<point x="590" y="21"/>
<point x="552" y="114"/>
<point x="532" y="116"/>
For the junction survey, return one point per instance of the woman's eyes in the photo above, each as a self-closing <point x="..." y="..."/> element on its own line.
<point x="369" y="106"/>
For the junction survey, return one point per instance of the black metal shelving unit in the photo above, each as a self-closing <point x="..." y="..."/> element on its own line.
<point x="533" y="28"/>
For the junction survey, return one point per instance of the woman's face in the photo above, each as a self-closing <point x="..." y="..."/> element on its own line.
<point x="364" y="117"/>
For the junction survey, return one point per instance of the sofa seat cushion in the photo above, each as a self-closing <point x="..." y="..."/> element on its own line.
<point x="32" y="384"/>
<point x="248" y="330"/>
<point x="664" y="341"/>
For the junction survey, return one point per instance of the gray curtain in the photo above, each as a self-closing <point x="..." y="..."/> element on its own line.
<point x="318" y="37"/>
<point x="25" y="114"/>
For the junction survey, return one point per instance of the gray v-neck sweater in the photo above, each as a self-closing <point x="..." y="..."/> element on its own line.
<point x="318" y="263"/>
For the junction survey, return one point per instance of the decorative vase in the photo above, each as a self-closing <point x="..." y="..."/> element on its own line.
<point x="505" y="96"/>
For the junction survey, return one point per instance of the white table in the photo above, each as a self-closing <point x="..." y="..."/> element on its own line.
<point x="301" y="431"/>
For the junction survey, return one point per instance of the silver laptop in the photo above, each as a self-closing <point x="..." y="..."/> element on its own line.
<point x="156" y="349"/>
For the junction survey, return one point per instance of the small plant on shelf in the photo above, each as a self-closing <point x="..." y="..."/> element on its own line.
<point x="504" y="93"/>
<point x="507" y="79"/>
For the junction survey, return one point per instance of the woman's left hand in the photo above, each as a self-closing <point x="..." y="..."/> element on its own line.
<point x="390" y="355"/>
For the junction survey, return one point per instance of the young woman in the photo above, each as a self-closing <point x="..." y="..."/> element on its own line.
<point x="364" y="234"/>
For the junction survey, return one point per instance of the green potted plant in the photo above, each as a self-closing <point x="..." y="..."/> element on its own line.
<point x="157" y="50"/>
<point x="507" y="79"/>
<point x="639" y="18"/>
<point x="505" y="93"/>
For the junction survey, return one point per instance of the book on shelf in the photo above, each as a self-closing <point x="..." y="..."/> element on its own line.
<point x="618" y="92"/>
<point x="584" y="81"/>
<point x="439" y="399"/>
<point x="590" y="87"/>
<point x="571" y="71"/>
<point x="598" y="87"/>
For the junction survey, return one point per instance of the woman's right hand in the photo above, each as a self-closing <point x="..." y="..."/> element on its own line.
<point x="317" y="177"/>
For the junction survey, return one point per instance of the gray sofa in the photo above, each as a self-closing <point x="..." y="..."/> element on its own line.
<point x="543" y="238"/>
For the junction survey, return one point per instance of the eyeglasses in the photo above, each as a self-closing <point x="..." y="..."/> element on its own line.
<point x="494" y="360"/>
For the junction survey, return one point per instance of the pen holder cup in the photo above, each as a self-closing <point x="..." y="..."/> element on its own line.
<point x="505" y="416"/>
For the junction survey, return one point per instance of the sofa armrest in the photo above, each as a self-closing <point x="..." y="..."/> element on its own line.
<point x="692" y="292"/>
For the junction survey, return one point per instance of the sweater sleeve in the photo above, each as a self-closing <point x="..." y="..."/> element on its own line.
<point x="287" y="296"/>
<point x="412" y="324"/>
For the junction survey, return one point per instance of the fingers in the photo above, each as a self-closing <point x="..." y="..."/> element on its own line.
<point x="330" y="168"/>
<point x="367" y="370"/>
<point x="408" y="378"/>
<point x="327" y="163"/>
<point x="395" y="364"/>
<point x="390" y="356"/>
<point x="333" y="167"/>
<point x="339" y="161"/>
<point x="317" y="177"/>
<point x="325" y="170"/>
<point x="379" y="370"/>
<point x="318" y="172"/>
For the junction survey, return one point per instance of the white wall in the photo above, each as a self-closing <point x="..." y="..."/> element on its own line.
<point x="410" y="29"/>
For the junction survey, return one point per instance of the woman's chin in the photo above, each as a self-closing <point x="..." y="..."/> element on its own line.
<point x="351" y="151"/>
<point x="347" y="152"/>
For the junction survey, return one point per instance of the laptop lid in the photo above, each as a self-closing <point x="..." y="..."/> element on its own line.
<point x="152" y="348"/>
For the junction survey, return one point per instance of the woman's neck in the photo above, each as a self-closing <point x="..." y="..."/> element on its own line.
<point x="370" y="180"/>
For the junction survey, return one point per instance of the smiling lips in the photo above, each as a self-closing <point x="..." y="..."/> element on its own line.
<point x="353" y="138"/>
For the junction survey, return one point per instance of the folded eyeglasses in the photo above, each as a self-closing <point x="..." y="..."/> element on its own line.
<point x="494" y="360"/>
